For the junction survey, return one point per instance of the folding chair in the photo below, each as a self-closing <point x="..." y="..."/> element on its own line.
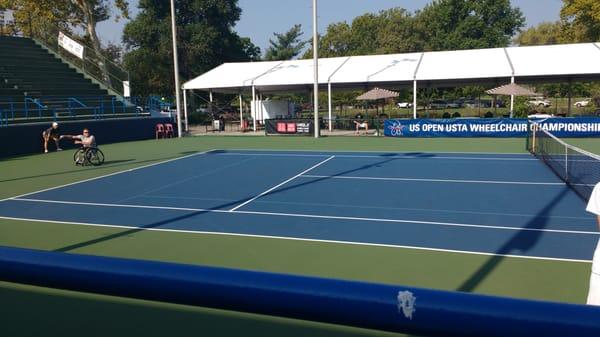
<point x="159" y="130"/>
<point x="169" y="132"/>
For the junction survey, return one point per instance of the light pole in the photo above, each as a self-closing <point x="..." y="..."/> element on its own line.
<point x="316" y="66"/>
<point x="176" y="67"/>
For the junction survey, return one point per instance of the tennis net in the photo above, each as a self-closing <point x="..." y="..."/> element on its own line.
<point x="578" y="168"/>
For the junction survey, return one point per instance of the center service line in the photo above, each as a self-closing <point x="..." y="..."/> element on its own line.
<point x="283" y="183"/>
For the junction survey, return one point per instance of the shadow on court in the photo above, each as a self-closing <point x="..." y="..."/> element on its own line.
<point x="522" y="241"/>
<point x="111" y="163"/>
<point x="388" y="158"/>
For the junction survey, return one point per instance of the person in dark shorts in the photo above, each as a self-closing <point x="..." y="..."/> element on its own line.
<point x="51" y="133"/>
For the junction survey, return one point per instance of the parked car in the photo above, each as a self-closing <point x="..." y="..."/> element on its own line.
<point x="470" y="103"/>
<point x="582" y="103"/>
<point x="540" y="115"/>
<point x="404" y="105"/>
<point x="454" y="104"/>
<point x="438" y="104"/>
<point x="539" y="101"/>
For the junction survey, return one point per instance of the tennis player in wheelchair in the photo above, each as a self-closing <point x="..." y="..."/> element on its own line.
<point x="88" y="153"/>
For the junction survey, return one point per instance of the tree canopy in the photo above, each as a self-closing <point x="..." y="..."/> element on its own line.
<point x="581" y="20"/>
<point x="544" y="33"/>
<point x="286" y="46"/>
<point x="441" y="25"/>
<point x="205" y="39"/>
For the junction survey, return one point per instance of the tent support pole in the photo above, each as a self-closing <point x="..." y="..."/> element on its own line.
<point x="570" y="96"/>
<point x="254" y="109"/>
<point x="415" y="99"/>
<point x="512" y="99"/>
<point x="329" y="104"/>
<point x="241" y="113"/>
<point x="185" y="110"/>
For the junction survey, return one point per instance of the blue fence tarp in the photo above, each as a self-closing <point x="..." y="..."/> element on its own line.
<point x="376" y="306"/>
<point x="490" y="127"/>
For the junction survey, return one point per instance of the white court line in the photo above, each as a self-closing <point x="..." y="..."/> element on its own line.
<point x="107" y="175"/>
<point x="435" y="180"/>
<point x="283" y="183"/>
<point x="330" y="152"/>
<point x="353" y="243"/>
<point x="398" y="156"/>
<point x="312" y="216"/>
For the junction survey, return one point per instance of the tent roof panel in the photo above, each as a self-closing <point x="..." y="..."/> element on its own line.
<point x="231" y="75"/>
<point x="565" y="59"/>
<point x="297" y="72"/>
<point x="378" y="68"/>
<point x="464" y="64"/>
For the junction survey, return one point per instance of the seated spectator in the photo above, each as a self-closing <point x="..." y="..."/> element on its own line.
<point x="360" y="123"/>
<point x="51" y="133"/>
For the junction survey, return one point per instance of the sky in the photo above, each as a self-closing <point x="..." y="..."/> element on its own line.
<point x="261" y="18"/>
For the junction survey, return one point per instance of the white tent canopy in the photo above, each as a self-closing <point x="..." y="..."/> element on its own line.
<point x="566" y="62"/>
<point x="550" y="62"/>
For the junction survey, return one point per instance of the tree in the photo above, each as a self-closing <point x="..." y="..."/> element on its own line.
<point x="335" y="42"/>
<point x="581" y="19"/>
<point x="468" y="24"/>
<point x="441" y="25"/>
<point x="286" y="46"/>
<point x="542" y="34"/>
<point x="205" y="40"/>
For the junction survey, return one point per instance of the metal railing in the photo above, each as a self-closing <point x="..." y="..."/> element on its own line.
<point x="55" y="108"/>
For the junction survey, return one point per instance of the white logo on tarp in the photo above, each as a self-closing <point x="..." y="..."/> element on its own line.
<point x="406" y="303"/>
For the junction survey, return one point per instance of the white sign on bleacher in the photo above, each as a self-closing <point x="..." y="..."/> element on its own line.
<point x="70" y="45"/>
<point x="126" y="89"/>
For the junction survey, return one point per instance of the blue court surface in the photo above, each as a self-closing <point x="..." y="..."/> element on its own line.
<point x="502" y="204"/>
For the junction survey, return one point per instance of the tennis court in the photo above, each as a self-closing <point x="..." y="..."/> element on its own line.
<point x="419" y="213"/>
<point x="501" y="204"/>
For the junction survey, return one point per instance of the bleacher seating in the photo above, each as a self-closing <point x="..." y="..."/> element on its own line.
<point x="36" y="85"/>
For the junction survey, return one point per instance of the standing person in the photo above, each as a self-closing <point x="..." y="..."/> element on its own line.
<point x="51" y="133"/>
<point x="594" y="292"/>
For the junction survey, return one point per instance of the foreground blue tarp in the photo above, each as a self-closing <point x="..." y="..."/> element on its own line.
<point x="367" y="305"/>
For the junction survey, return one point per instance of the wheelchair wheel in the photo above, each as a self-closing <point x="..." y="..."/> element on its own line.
<point x="94" y="156"/>
<point x="79" y="156"/>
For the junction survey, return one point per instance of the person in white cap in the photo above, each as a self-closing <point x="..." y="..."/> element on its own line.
<point x="51" y="133"/>
<point x="594" y="292"/>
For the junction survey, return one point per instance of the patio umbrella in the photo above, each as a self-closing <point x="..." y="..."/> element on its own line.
<point x="511" y="89"/>
<point x="377" y="94"/>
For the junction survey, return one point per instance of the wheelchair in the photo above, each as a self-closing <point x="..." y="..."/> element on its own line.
<point x="85" y="156"/>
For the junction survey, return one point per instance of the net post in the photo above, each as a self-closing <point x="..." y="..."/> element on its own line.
<point x="567" y="163"/>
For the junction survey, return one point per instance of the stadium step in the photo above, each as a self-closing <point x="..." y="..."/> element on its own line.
<point x="29" y="71"/>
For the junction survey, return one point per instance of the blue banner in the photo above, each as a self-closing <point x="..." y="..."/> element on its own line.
<point x="490" y="127"/>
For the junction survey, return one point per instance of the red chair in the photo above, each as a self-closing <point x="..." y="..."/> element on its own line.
<point x="160" y="131"/>
<point x="169" y="132"/>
